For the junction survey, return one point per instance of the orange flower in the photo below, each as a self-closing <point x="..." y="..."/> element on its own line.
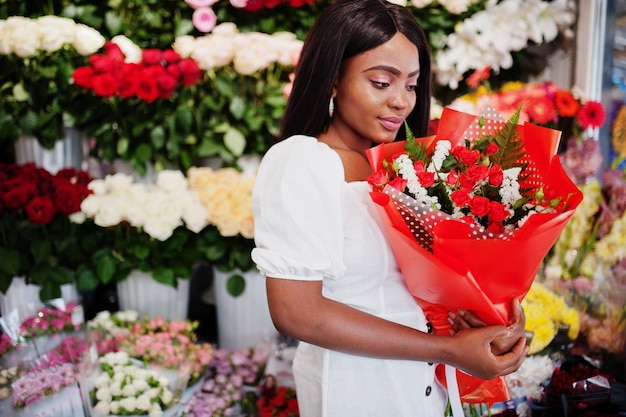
<point x="566" y="104"/>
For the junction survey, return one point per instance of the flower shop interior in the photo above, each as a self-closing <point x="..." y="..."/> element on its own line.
<point x="130" y="134"/>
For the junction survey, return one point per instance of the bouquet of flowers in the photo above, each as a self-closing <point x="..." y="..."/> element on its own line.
<point x="38" y="234"/>
<point x="141" y="104"/>
<point x="483" y="183"/>
<point x="122" y="387"/>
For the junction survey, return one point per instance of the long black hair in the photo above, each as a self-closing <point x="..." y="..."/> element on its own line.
<point x="345" y="29"/>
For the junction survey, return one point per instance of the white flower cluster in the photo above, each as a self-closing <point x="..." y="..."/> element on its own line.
<point x="25" y="37"/>
<point x="113" y="323"/>
<point x="452" y="6"/>
<point x="249" y="52"/>
<point x="156" y="208"/>
<point x="407" y="172"/>
<point x="488" y="37"/>
<point x="124" y="388"/>
<point x="527" y="380"/>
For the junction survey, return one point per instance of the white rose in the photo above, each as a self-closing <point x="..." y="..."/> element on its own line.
<point x="225" y="29"/>
<point x="54" y="32"/>
<point x="171" y="180"/>
<point x="130" y="50"/>
<point x="24" y="38"/>
<point x="421" y="3"/>
<point x="78" y="217"/>
<point x="90" y="205"/>
<point x="88" y="40"/>
<point x="184" y="45"/>
<point x="109" y="214"/>
<point x="398" y="2"/>
<point x="195" y="217"/>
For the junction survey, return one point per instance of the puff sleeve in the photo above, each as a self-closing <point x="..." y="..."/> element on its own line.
<point x="298" y="216"/>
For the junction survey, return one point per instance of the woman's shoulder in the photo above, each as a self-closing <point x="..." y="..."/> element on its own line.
<point x="302" y="149"/>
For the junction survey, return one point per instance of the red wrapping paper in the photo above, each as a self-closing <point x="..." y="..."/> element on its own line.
<point x="481" y="276"/>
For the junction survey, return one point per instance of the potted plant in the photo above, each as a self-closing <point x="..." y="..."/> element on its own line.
<point x="147" y="236"/>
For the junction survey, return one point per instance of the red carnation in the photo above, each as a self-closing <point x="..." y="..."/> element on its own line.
<point x="41" y="210"/>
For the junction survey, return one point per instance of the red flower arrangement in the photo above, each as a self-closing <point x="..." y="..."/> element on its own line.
<point x="256" y="5"/>
<point x="156" y="77"/>
<point x="143" y="111"/>
<point x="430" y="230"/>
<point x="277" y="402"/>
<point x="36" y="230"/>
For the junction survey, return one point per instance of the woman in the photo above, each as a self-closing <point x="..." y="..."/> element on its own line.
<point x="366" y="348"/>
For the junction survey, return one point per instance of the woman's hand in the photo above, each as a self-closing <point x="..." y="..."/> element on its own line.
<point x="516" y="327"/>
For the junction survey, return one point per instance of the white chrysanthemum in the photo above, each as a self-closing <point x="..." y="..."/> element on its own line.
<point x="129" y="404"/>
<point x="103" y="394"/>
<point x="102" y="407"/>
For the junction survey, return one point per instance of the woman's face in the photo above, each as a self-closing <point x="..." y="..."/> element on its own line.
<point x="376" y="91"/>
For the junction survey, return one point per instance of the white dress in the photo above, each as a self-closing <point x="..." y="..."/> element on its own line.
<point x="310" y="224"/>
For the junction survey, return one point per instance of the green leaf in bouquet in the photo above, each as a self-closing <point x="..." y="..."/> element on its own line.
<point x="49" y="291"/>
<point x="184" y="118"/>
<point x="113" y="23"/>
<point x="139" y="250"/>
<point x="19" y="92"/>
<point x="28" y="122"/>
<point x="235" y="285"/>
<point x="235" y="141"/>
<point x="122" y="145"/>
<point x="510" y="144"/>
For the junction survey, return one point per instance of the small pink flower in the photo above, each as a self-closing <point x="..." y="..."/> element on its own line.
<point x="240" y="4"/>
<point x="204" y="19"/>
<point x="197" y="4"/>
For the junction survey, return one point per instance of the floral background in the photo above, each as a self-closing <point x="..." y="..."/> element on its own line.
<point x="178" y="99"/>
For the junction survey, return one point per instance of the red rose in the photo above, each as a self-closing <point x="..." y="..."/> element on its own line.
<point x="495" y="228"/>
<point x="496" y="175"/>
<point x="378" y="178"/>
<point x="167" y="85"/>
<point x="254" y="5"/>
<point x="426" y="178"/>
<point x="105" y="85"/>
<point x="16" y="198"/>
<point x="82" y="76"/>
<point x="41" y="210"/>
<point x="174" y="71"/>
<point x="479" y="206"/>
<point x="465" y="181"/>
<point x="497" y="212"/>
<point x="453" y="177"/>
<point x="398" y="183"/>
<point x="418" y="166"/>
<point x="460" y="197"/>
<point x="113" y="51"/>
<point x="151" y="56"/>
<point x="170" y="56"/>
<point x="104" y="63"/>
<point x="190" y="70"/>
<point x="491" y="149"/>
<point x="128" y="86"/>
<point x="465" y="155"/>
<point x="67" y="199"/>
<point x="477" y="173"/>
<point x="147" y="90"/>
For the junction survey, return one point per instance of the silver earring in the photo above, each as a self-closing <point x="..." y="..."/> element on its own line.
<point x="331" y="107"/>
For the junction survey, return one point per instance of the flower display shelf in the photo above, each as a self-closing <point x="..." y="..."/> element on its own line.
<point x="142" y="293"/>
<point x="68" y="151"/>
<point x="24" y="298"/>
<point x="243" y="321"/>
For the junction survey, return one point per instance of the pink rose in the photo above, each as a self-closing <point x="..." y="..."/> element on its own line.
<point x="204" y="19"/>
